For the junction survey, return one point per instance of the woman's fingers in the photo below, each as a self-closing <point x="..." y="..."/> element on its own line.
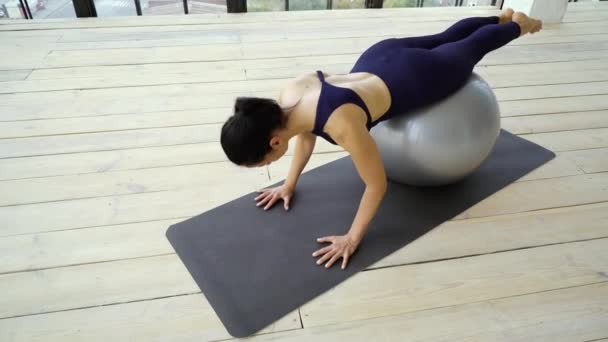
<point x="325" y="257"/>
<point x="344" y="260"/>
<point x="272" y="201"/>
<point x="270" y="196"/>
<point x="326" y="239"/>
<point x="263" y="192"/>
<point x="321" y="251"/>
<point x="264" y="200"/>
<point x="333" y="259"/>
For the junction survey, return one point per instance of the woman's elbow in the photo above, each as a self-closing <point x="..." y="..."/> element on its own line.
<point x="380" y="186"/>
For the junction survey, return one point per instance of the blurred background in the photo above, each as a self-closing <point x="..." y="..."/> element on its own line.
<point x="41" y="9"/>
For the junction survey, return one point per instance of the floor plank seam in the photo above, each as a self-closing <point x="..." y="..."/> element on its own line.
<point x="152" y="85"/>
<point x="558" y="131"/>
<point x="302" y="56"/>
<point x="216" y="142"/>
<point x="123" y="113"/>
<point x="203" y="163"/>
<point x="554" y="84"/>
<point x="560" y="97"/>
<point x="195" y="44"/>
<point x="186" y="217"/>
<point x="279" y="58"/>
<point x="228" y="110"/>
<point x="85" y="263"/>
<point x="304" y="327"/>
<point x="113" y="130"/>
<point x="131" y="193"/>
<point x="579" y="168"/>
<point x="98" y="306"/>
<point x="29" y="74"/>
<point x="540" y="115"/>
<point x="87" y="198"/>
<point x="179" y="218"/>
<point x="283" y="17"/>
<point x="582" y="172"/>
<point x="218" y="123"/>
<point x="106" y="150"/>
<point x="488" y="253"/>
<point x="380" y="37"/>
<point x="107" y="261"/>
<point x="268" y="178"/>
<point x="534" y="210"/>
<point x="144" y="168"/>
<point x="260" y="334"/>
<point x="550" y="61"/>
<point x="463" y="304"/>
<point x="575" y="150"/>
<point x="300" y="317"/>
<point x="346" y="38"/>
<point x="567" y="21"/>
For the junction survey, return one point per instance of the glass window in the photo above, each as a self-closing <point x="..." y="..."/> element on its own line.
<point x="41" y="9"/>
<point x="115" y="8"/>
<point x="439" y="3"/>
<point x="52" y="9"/>
<point x="302" y="5"/>
<point x="205" y="6"/>
<point x="265" y="5"/>
<point x="11" y="9"/>
<point x="477" y="3"/>
<point x="162" y="7"/>
<point x="347" y="4"/>
<point x="400" y="3"/>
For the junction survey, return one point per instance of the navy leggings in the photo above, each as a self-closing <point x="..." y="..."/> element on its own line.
<point x="421" y="70"/>
<point x="475" y="36"/>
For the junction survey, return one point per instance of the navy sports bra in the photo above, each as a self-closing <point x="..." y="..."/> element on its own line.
<point x="332" y="97"/>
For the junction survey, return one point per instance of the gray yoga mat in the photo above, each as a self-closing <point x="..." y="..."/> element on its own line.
<point x="254" y="267"/>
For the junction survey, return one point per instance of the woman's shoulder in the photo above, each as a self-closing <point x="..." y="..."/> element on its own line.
<point x="295" y="88"/>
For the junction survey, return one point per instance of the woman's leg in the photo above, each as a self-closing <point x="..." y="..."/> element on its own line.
<point x="458" y="31"/>
<point x="473" y="48"/>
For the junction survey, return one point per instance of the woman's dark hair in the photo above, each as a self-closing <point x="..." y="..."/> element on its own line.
<point x="246" y="134"/>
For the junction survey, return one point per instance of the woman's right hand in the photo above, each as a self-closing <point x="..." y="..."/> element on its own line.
<point x="270" y="196"/>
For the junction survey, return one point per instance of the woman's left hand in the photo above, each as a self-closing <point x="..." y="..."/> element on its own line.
<point x="342" y="246"/>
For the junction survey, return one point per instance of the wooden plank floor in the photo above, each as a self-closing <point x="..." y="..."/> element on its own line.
<point x="109" y="133"/>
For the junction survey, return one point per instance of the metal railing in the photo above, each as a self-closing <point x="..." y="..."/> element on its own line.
<point x="86" y="8"/>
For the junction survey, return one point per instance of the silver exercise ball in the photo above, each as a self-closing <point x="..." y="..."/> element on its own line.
<point x="442" y="143"/>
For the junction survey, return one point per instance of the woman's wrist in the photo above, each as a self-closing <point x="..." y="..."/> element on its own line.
<point x="356" y="235"/>
<point x="289" y="185"/>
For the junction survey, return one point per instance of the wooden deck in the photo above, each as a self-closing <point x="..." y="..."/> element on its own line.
<point x="109" y="133"/>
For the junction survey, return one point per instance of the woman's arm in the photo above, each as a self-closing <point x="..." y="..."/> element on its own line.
<point x="305" y="144"/>
<point x="355" y="139"/>
<point x="363" y="150"/>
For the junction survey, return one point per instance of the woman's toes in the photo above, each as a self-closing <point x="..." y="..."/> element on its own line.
<point x="538" y="26"/>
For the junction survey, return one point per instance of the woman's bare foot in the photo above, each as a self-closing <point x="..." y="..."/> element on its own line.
<point x="527" y="24"/>
<point x="538" y="26"/>
<point x="505" y="16"/>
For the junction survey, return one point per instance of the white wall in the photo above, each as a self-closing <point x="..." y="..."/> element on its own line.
<point x="549" y="11"/>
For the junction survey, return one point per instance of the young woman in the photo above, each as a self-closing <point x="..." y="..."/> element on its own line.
<point x="392" y="77"/>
